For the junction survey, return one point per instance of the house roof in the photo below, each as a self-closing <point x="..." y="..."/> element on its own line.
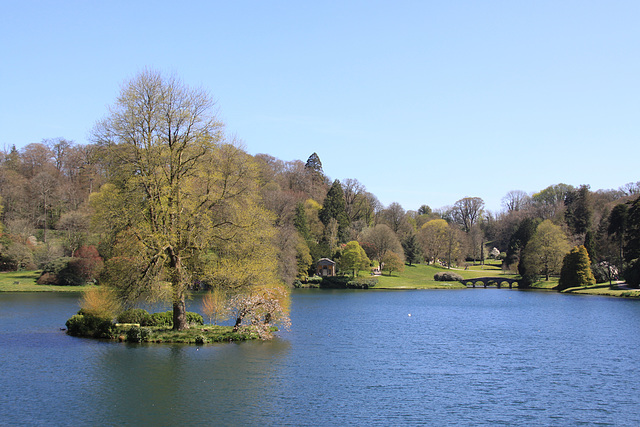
<point x="325" y="261"/>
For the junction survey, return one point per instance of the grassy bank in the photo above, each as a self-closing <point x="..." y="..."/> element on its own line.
<point x="25" y="281"/>
<point x="605" y="289"/>
<point x="420" y="276"/>
<point x="194" y="335"/>
<point x="602" y="289"/>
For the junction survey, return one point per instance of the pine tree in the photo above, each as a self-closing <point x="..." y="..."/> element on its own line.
<point x="314" y="163"/>
<point x="576" y="269"/>
<point x="333" y="207"/>
<point x="411" y="248"/>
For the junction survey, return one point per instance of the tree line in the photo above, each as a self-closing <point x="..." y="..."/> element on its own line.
<point x="162" y="200"/>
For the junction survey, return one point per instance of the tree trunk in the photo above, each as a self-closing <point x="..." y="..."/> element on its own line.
<point x="178" y="287"/>
<point x="179" y="314"/>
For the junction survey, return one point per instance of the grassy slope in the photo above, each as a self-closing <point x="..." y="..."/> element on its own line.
<point x="25" y="281"/>
<point x="421" y="277"/>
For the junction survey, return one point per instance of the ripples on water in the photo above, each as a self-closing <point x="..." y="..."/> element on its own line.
<point x="470" y="357"/>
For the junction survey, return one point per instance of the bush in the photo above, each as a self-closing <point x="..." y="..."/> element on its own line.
<point x="136" y="315"/>
<point x="335" y="282"/>
<point x="162" y="319"/>
<point x="63" y="271"/>
<point x="194" y="318"/>
<point x="87" y="325"/>
<point x="134" y="334"/>
<point x="603" y="272"/>
<point x="362" y="283"/>
<point x="447" y="276"/>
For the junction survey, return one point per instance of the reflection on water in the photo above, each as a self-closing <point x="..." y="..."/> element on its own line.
<point x="352" y="357"/>
<point x="168" y="384"/>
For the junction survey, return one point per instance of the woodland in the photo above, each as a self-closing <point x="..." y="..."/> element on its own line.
<point x="163" y="201"/>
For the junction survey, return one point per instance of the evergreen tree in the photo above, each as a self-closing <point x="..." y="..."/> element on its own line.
<point x="334" y="208"/>
<point x="579" y="210"/>
<point x="590" y="244"/>
<point x="300" y="222"/>
<point x="517" y="243"/>
<point x="412" y="252"/>
<point x="617" y="228"/>
<point x="576" y="269"/>
<point x="632" y="248"/>
<point x="314" y="163"/>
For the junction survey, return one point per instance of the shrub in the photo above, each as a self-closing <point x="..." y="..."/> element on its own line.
<point x="134" y="334"/>
<point x="101" y="302"/>
<point x="362" y="283"/>
<point x="162" y="319"/>
<point x="87" y="325"/>
<point x="63" y="271"/>
<point x="136" y="315"/>
<point x="194" y="318"/>
<point x="335" y="282"/>
<point x="603" y="272"/>
<point x="88" y="262"/>
<point x="447" y="276"/>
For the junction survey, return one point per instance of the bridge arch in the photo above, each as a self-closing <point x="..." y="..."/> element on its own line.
<point x="489" y="281"/>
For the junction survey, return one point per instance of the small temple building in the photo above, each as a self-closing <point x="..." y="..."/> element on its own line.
<point x="325" y="267"/>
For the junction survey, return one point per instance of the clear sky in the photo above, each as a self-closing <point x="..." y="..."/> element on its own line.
<point x="424" y="102"/>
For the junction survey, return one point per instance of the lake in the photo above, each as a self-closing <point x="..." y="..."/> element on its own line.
<point x="434" y="357"/>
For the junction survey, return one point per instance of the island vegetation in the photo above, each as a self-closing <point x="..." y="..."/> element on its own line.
<point x="163" y="203"/>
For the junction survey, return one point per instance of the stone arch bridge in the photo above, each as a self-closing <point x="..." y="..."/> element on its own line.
<point x="489" y="281"/>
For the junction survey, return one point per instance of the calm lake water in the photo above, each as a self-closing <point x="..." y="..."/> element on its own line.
<point x="465" y="357"/>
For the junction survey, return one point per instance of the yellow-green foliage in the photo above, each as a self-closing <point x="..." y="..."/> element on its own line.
<point x="354" y="258"/>
<point x="576" y="269"/>
<point x="101" y="302"/>
<point x="214" y="306"/>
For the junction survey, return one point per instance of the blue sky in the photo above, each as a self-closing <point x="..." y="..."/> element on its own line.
<point x="423" y="102"/>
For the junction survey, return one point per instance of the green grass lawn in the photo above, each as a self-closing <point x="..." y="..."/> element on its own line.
<point x="25" y="281"/>
<point x="604" y="289"/>
<point x="420" y="276"/>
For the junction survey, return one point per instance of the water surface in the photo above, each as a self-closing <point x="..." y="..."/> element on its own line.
<point x="470" y="357"/>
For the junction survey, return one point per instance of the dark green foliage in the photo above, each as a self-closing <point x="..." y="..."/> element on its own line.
<point x="194" y="318"/>
<point x="579" y="210"/>
<point x="590" y="245"/>
<point x="87" y="325"/>
<point x="314" y="163"/>
<point x="362" y="283"/>
<point x="163" y="318"/>
<point x="576" y="269"/>
<point x="424" y="210"/>
<point x="447" y="276"/>
<point x="300" y="222"/>
<point x="517" y="243"/>
<point x="632" y="247"/>
<point x="344" y="282"/>
<point x="137" y="334"/>
<point x="411" y="247"/>
<point x="334" y="207"/>
<point x="136" y="315"/>
<point x="632" y="273"/>
<point x="63" y="271"/>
